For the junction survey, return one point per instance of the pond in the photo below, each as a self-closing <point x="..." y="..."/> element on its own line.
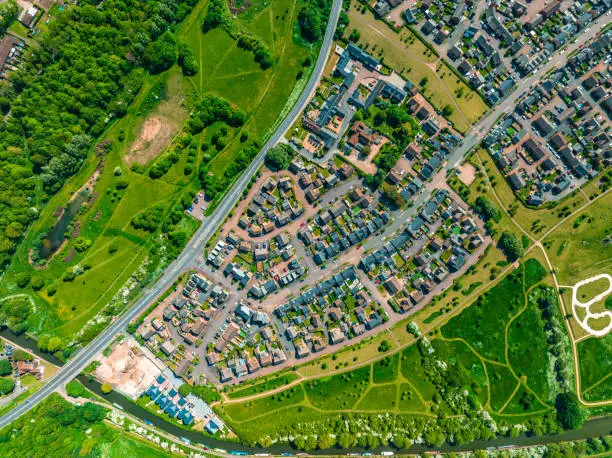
<point x="56" y="235"/>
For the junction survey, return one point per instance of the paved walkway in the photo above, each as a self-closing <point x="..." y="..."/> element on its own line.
<point x="586" y="306"/>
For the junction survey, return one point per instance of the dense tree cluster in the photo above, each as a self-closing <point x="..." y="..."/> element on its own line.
<point x="386" y="159"/>
<point x="487" y="209"/>
<point x="163" y="163"/>
<point x="75" y="389"/>
<point x="187" y="60"/>
<point x="5" y="367"/>
<point x="560" y="350"/>
<point x="343" y="22"/>
<point x="81" y="244"/>
<point x="7" y="385"/>
<point x="569" y="412"/>
<point x="279" y="157"/>
<point x="14" y="314"/>
<point x="86" y="71"/>
<point x="216" y="15"/>
<point x="57" y="428"/>
<point x="213" y="109"/>
<point x="208" y="393"/>
<point x="160" y="55"/>
<point x="395" y="122"/>
<point x="261" y="52"/>
<point x="311" y="19"/>
<point x="510" y="244"/>
<point x="22" y="355"/>
<point x="148" y="219"/>
<point x="9" y="13"/>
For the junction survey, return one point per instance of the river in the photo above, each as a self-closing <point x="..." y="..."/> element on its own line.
<point x="595" y="427"/>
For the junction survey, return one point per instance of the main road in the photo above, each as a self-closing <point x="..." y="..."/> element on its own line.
<point x="557" y="60"/>
<point x="188" y="257"/>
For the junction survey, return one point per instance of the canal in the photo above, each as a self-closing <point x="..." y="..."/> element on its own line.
<point x="595" y="427"/>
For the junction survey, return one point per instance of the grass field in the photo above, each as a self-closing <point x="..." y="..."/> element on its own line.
<point x="589" y="291"/>
<point x="596" y="368"/>
<point x="340" y="391"/>
<point x="495" y="349"/>
<point x="505" y="329"/>
<point x="534" y="221"/>
<point x="231" y="73"/>
<point x="408" y="56"/>
<point x="117" y="250"/>
<point x="266" y="385"/>
<point x="578" y="248"/>
<point x="397" y="384"/>
<point x="251" y="410"/>
<point x="483" y="324"/>
<point x="124" y="447"/>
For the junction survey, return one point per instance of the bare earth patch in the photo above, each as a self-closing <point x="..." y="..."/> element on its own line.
<point x="153" y="136"/>
<point x="467" y="173"/>
<point x="128" y="368"/>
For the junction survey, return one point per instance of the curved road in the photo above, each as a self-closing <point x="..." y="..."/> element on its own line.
<point x="188" y="258"/>
<point x="193" y="250"/>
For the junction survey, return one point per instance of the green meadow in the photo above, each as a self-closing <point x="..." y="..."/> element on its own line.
<point x="496" y="350"/>
<point x="117" y="255"/>
<point x="595" y="368"/>
<point x="579" y="247"/>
